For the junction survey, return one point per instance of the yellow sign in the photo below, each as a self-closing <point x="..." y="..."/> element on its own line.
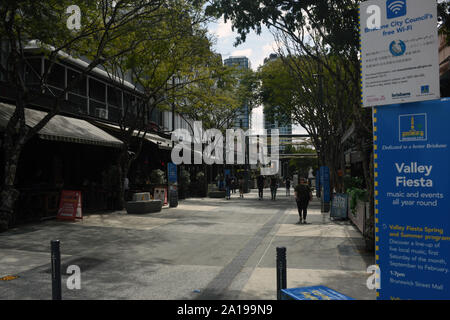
<point x="9" y="278"/>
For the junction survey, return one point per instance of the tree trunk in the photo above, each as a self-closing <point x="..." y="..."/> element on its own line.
<point x="369" y="228"/>
<point x="9" y="193"/>
<point x="124" y="166"/>
<point x="121" y="193"/>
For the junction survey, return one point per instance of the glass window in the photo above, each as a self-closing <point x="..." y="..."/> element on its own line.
<point x="98" y="109"/>
<point x="129" y="103"/>
<point x="114" y="96"/>
<point x="79" y="103"/>
<point x="56" y="75"/>
<point x="126" y="101"/>
<point x="97" y="90"/>
<point x="80" y="86"/>
<point x="114" y="114"/>
<point x="139" y="106"/>
<point x="33" y="71"/>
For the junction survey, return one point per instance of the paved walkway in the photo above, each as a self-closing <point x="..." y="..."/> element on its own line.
<point x="204" y="249"/>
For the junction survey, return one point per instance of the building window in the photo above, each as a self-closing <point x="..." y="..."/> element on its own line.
<point x="79" y="87"/>
<point x="114" y="97"/>
<point x="33" y="71"/>
<point x="56" y="75"/>
<point x="97" y="90"/>
<point x="98" y="109"/>
<point x="114" y="104"/>
<point x="78" y="102"/>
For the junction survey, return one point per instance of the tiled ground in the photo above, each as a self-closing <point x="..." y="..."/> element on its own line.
<point x="204" y="249"/>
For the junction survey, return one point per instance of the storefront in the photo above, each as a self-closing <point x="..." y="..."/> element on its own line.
<point x="154" y="153"/>
<point x="67" y="154"/>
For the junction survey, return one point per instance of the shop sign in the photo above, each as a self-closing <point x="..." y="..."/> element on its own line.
<point x="70" y="205"/>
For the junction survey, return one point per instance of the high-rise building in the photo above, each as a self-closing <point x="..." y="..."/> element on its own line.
<point x="239" y="61"/>
<point x="243" y="117"/>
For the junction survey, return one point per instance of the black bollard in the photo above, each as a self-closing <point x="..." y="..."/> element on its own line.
<point x="56" y="270"/>
<point x="281" y="271"/>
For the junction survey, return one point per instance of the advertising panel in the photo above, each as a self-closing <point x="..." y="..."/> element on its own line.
<point x="412" y="204"/>
<point x="70" y="205"/>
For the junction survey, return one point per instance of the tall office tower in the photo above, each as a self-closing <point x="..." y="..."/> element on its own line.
<point x="243" y="119"/>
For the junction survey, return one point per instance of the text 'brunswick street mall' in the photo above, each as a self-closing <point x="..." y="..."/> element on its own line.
<point x="246" y="152"/>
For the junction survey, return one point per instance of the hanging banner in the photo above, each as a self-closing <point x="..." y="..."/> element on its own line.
<point x="412" y="200"/>
<point x="172" y="173"/>
<point x="325" y="184"/>
<point x="70" y="205"/>
<point x="399" y="51"/>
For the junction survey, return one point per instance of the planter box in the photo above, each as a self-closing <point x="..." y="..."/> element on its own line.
<point x="143" y="207"/>
<point x="359" y="218"/>
<point x="217" y="194"/>
<point x="142" y="196"/>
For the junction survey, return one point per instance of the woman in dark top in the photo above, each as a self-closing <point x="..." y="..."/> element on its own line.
<point x="273" y="187"/>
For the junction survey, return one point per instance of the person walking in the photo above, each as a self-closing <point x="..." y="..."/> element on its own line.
<point x="260" y="184"/>
<point x="273" y="187"/>
<point x="241" y="187"/>
<point x="228" y="185"/>
<point x="303" y="195"/>
<point x="288" y="187"/>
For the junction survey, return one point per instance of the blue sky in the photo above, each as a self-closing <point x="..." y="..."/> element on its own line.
<point x="256" y="48"/>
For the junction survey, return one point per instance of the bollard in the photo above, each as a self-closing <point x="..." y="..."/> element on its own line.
<point x="56" y="270"/>
<point x="281" y="271"/>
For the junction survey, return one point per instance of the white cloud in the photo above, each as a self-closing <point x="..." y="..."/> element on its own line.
<point x="270" y="48"/>
<point x="244" y="52"/>
<point x="265" y="51"/>
<point x="223" y="29"/>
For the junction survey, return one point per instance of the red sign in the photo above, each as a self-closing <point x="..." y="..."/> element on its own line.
<point x="161" y="194"/>
<point x="70" y="205"/>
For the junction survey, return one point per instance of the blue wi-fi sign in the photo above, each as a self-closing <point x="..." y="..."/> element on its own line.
<point x="395" y="8"/>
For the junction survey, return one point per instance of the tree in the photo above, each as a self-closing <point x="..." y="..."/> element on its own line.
<point x="322" y="36"/>
<point x="444" y="18"/>
<point x="302" y="165"/>
<point x="172" y="57"/>
<point x="108" y="30"/>
<point x="292" y="90"/>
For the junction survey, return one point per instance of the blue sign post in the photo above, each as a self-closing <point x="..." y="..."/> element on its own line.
<point x="173" y="184"/>
<point x="412" y="199"/>
<point x="318" y="183"/>
<point x="172" y="173"/>
<point x="325" y="188"/>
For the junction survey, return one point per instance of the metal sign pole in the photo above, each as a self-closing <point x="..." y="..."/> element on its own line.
<point x="281" y="271"/>
<point x="56" y="270"/>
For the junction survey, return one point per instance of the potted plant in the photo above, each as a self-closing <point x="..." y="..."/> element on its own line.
<point x="157" y="177"/>
<point x="185" y="181"/>
<point x="201" y="184"/>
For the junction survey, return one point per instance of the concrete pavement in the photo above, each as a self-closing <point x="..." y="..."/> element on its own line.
<point x="204" y="249"/>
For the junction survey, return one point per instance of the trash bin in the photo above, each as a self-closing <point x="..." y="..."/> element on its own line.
<point x="173" y="199"/>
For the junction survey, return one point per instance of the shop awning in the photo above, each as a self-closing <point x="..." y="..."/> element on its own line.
<point x="61" y="128"/>
<point x="161" y="142"/>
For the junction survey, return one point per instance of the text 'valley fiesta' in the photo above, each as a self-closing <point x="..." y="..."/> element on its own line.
<point x="413" y="168"/>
